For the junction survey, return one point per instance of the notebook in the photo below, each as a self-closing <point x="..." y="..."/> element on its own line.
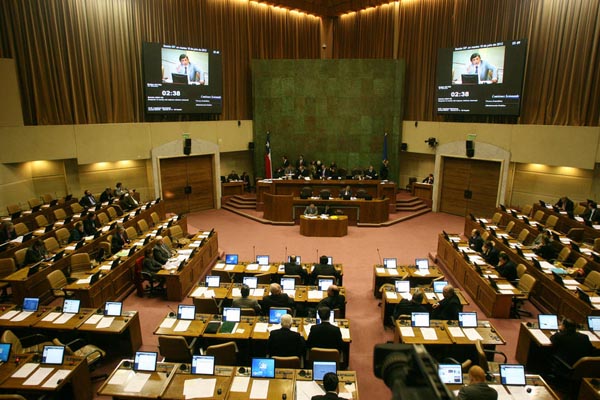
<point x="262" y="260"/>
<point x="331" y="319"/>
<point x="320" y="368"/>
<point x="53" y="355"/>
<point x="251" y="281"/>
<point x="438" y="286"/>
<point x="512" y="374"/>
<point x="203" y="365"/>
<point x="186" y="312"/>
<point x="419" y="319"/>
<point x="213" y="280"/>
<point x="422" y="263"/>
<point x="4" y="352"/>
<point x="113" y="308"/>
<point x="450" y="374"/>
<point x="324" y="283"/>
<point x="231" y="259"/>
<point x="390" y="263"/>
<point x="263" y="368"/>
<point x="275" y="314"/>
<point x="145" y="361"/>
<point x="594" y="323"/>
<point x="467" y="319"/>
<point x="288" y="283"/>
<point x="297" y="260"/>
<point x="231" y="316"/>
<point x="31" y="304"/>
<point x="548" y="321"/>
<point x="402" y="286"/>
<point x="71" y="306"/>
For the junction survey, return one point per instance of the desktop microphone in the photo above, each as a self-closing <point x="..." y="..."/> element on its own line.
<point x="254" y="253"/>
<point x="217" y="304"/>
<point x="379" y="254"/>
<point x="317" y="256"/>
<point x="172" y="313"/>
<point x="285" y="255"/>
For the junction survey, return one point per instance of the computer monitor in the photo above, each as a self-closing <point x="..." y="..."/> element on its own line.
<point x="512" y="374"/>
<point x="71" y="306"/>
<point x="320" y="368"/>
<point x="438" y="286"/>
<point x="331" y="319"/>
<point x="179" y="79"/>
<point x="390" y="263"/>
<point x="4" y="352"/>
<point x="594" y="323"/>
<point x="402" y="286"/>
<point x="263" y="368"/>
<point x="558" y="279"/>
<point x="212" y="280"/>
<point x="53" y="355"/>
<point x="422" y="263"/>
<point x="469" y="79"/>
<point x="113" y="308"/>
<point x="275" y="314"/>
<point x="262" y="260"/>
<point x="419" y="319"/>
<point x="297" y="260"/>
<point x="467" y="319"/>
<point x="232" y="314"/>
<point x="583" y="296"/>
<point x="231" y="259"/>
<point x="203" y="365"/>
<point x="145" y="361"/>
<point x="548" y="321"/>
<point x="31" y="304"/>
<point x="186" y="311"/>
<point x="450" y="374"/>
<point x="324" y="283"/>
<point x="251" y="281"/>
<point x="288" y="283"/>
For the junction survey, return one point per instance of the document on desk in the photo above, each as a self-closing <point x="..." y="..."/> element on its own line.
<point x="407" y="331"/>
<point x="540" y="336"/>
<point x="305" y="390"/>
<point x="593" y="338"/>
<point x="84" y="281"/>
<point x="168" y="323"/>
<point x="93" y="320"/>
<point x="261" y="327"/>
<point x="209" y="294"/>
<point x="472" y="334"/>
<point x="22" y="315"/>
<point x="315" y="294"/>
<point x="240" y="384"/>
<point x="380" y="271"/>
<point x="265" y="268"/>
<point x="260" y="389"/>
<point x="429" y="333"/>
<point x="105" y="322"/>
<point x="199" y="291"/>
<point x="455" y="331"/>
<point x="258" y="292"/>
<point x="502" y="393"/>
<point x="38" y="376"/>
<point x="506" y="286"/>
<point x="430" y="296"/>
<point x="64" y="318"/>
<point x="121" y="376"/>
<point x="51" y="317"/>
<point x="273" y="327"/>
<point x="252" y="267"/>
<point x="61" y="374"/>
<point x="345" y="333"/>
<point x="182" y="326"/>
<point x="229" y="267"/>
<point x="137" y="383"/>
<point x="9" y="314"/>
<point x="391" y="295"/>
<point x="406" y="296"/>
<point x="199" y="388"/>
<point x="422" y="272"/>
<point x="570" y="282"/>
<point x="291" y="293"/>
<point x="25" y="370"/>
<point x="392" y="272"/>
<point x="219" y="266"/>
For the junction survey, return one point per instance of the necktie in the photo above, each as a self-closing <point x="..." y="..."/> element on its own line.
<point x="186" y="70"/>
<point x="477" y="69"/>
<point x="592" y="215"/>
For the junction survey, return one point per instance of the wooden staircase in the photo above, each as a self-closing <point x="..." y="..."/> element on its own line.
<point x="411" y="204"/>
<point x="242" y="201"/>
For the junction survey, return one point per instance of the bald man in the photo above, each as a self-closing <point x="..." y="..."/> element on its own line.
<point x="449" y="307"/>
<point x="276" y="298"/>
<point x="477" y="388"/>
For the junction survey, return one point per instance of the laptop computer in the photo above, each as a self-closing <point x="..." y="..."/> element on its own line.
<point x="402" y="286"/>
<point x="145" y="361"/>
<point x="467" y="319"/>
<point x="231" y="316"/>
<point x="15" y="215"/>
<point x="68" y="197"/>
<point x="594" y="323"/>
<point x="450" y="374"/>
<point x="115" y="263"/>
<point x="48" y="228"/>
<point x="58" y="256"/>
<point x="320" y="368"/>
<point x="263" y="368"/>
<point x="548" y="321"/>
<point x="297" y="260"/>
<point x="53" y="203"/>
<point x="469" y="79"/>
<point x="558" y="279"/>
<point x="331" y="318"/>
<point x="390" y="263"/>
<point x="251" y="281"/>
<point x="113" y="308"/>
<point x="422" y="263"/>
<point x="324" y="283"/>
<point x="34" y="268"/>
<point x="203" y="365"/>
<point x="4" y="352"/>
<point x="179" y="79"/>
<point x="212" y="280"/>
<point x="31" y="304"/>
<point x="95" y="277"/>
<point x="512" y="374"/>
<point x="288" y="284"/>
<point x="438" y="286"/>
<point x="27" y="236"/>
<point x="493" y="284"/>
<point x="419" y="319"/>
<point x="186" y="312"/>
<point x="583" y="296"/>
<point x="71" y="306"/>
<point x="262" y="260"/>
<point x="231" y="259"/>
<point x="36" y="208"/>
<point x="275" y="314"/>
<point x="53" y="355"/>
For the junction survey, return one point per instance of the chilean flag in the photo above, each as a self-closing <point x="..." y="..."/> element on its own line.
<point x="268" y="167"/>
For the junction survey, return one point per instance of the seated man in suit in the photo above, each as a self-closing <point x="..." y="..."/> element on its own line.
<point x="90" y="224"/>
<point x="346" y="193"/>
<point x="233" y="176"/>
<point x="291" y="268"/>
<point x="245" y="301"/>
<point x="311" y="209"/>
<point x="284" y="342"/>
<point x="565" y="204"/>
<point x="592" y="213"/>
<point x="570" y="345"/>
<point x="334" y="300"/>
<point x="490" y="253"/>
<point x="152" y="267"/>
<point x="127" y="202"/>
<point x="106" y="196"/>
<point x="322" y="268"/>
<point x="406" y="307"/>
<point x="276" y="298"/>
<point x="476" y="241"/>
<point x="119" y="239"/>
<point x="36" y="252"/>
<point x="88" y="200"/>
<point x="325" y="334"/>
<point x="8" y="232"/>
<point x="371" y="173"/>
<point x="546" y="249"/>
<point x="428" y="179"/>
<point x="449" y="307"/>
<point x="477" y="389"/>
<point x="330" y="384"/>
<point x="506" y="268"/>
<point x="161" y="251"/>
<point x="77" y="233"/>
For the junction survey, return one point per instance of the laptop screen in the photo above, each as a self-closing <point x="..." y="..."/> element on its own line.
<point x="203" y="365"/>
<point x="402" y="286"/>
<point x="231" y="259"/>
<point x="331" y="317"/>
<point x="71" y="306"/>
<point x="213" y="280"/>
<point x="275" y="314"/>
<point x="594" y="323"/>
<point x="232" y="314"/>
<point x="467" y="319"/>
<point x="4" y="352"/>
<point x="422" y="263"/>
<point x="390" y="263"/>
<point x="263" y="368"/>
<point x="31" y="304"/>
<point x="113" y="308"/>
<point x="145" y="361"/>
<point x="297" y="260"/>
<point x="450" y="374"/>
<point x="251" y="281"/>
<point x="320" y="368"/>
<point x="419" y="319"/>
<point x="512" y="374"/>
<point x="53" y="355"/>
<point x="548" y="321"/>
<point x="324" y="284"/>
<point x="288" y="283"/>
<point x="438" y="286"/>
<point x="262" y="260"/>
<point x="186" y="311"/>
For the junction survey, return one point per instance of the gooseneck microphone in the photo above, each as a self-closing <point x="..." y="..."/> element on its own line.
<point x="379" y="254"/>
<point x="172" y="313"/>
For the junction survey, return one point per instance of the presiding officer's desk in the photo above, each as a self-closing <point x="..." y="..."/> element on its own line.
<point x="535" y="389"/>
<point x="329" y="226"/>
<point x="416" y="276"/>
<point x="27" y="376"/>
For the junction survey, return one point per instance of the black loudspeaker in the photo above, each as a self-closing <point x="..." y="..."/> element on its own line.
<point x="470" y="148"/>
<point x="187" y="189"/>
<point x="187" y="146"/>
<point x="250" y="146"/>
<point x="404" y="147"/>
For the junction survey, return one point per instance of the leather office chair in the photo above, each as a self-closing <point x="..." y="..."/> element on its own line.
<point x="551" y="221"/>
<point x="563" y="254"/>
<point x="570" y="376"/>
<point x="526" y="285"/>
<point x="155" y="218"/>
<point x="21" y="229"/>
<point x="107" y="246"/>
<point x="59" y="214"/>
<point x="335" y="281"/>
<point x="490" y="367"/>
<point x="11" y="397"/>
<point x="207" y="306"/>
<point x="140" y="277"/>
<point x="93" y="354"/>
<point x="323" y="354"/>
<point x="62" y="236"/>
<point x="57" y="281"/>
<point x="28" y="344"/>
<point x="103" y="218"/>
<point x="524" y="236"/>
<point x="521" y="269"/>
<point x="224" y="353"/>
<point x="112" y="213"/>
<point x="496" y="218"/>
<point x="509" y="227"/>
<point x="7" y="267"/>
<point x="176" y="348"/>
<point x="143" y="226"/>
<point x="576" y="234"/>
<point x="35" y="202"/>
<point x="131" y="233"/>
<point x="76" y="208"/>
<point x="47" y="198"/>
<point x="20" y="257"/>
<point x="293" y="362"/>
<point x="538" y="216"/>
<point x="13" y="208"/>
<point x="80" y="264"/>
<point x="51" y="245"/>
<point x="178" y="236"/>
<point x="306" y="192"/>
<point x="248" y="312"/>
<point x="325" y="194"/>
<point x="526" y="210"/>
<point x="597" y="245"/>
<point x="41" y="221"/>
<point x="592" y="280"/>
<point x="361" y="193"/>
<point x="579" y="209"/>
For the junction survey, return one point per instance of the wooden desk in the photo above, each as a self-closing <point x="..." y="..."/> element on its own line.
<point x="232" y="188"/>
<point x="382" y="275"/>
<point x="358" y="211"/>
<point x="347" y="386"/>
<point x="423" y="191"/>
<point x="223" y="376"/>
<point x="565" y="223"/>
<point x="52" y="320"/>
<point x="170" y="326"/>
<point x="403" y="328"/>
<point x="336" y="226"/>
<point x="589" y="389"/>
<point x="535" y="388"/>
<point x="282" y="385"/>
<point x="126" y="327"/>
<point x="117" y="384"/>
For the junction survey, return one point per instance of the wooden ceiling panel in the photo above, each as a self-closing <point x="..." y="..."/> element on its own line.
<point x="330" y="8"/>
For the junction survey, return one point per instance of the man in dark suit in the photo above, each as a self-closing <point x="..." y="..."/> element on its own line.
<point x="276" y="298"/>
<point x="592" y="213"/>
<point x="325" y="335"/>
<point x="477" y="388"/>
<point x="106" y="196"/>
<point x="322" y="268"/>
<point x="476" y="241"/>
<point x="334" y="300"/>
<point x="90" y="225"/>
<point x="291" y="268"/>
<point x="77" y="233"/>
<point x="330" y="384"/>
<point x="490" y="253"/>
<point x="406" y="307"/>
<point x="570" y="345"/>
<point x="506" y="268"/>
<point x="161" y="251"/>
<point x="119" y="239"/>
<point x="88" y="200"/>
<point x="8" y="232"/>
<point x="565" y="204"/>
<point x="449" y="307"/>
<point x="284" y="342"/>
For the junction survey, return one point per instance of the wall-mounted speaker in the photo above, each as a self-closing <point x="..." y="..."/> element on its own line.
<point x="403" y="146"/>
<point x="187" y="146"/>
<point x="250" y="146"/>
<point x="470" y="148"/>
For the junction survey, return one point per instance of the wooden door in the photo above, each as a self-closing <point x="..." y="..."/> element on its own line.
<point x="192" y="172"/>
<point x="469" y="186"/>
